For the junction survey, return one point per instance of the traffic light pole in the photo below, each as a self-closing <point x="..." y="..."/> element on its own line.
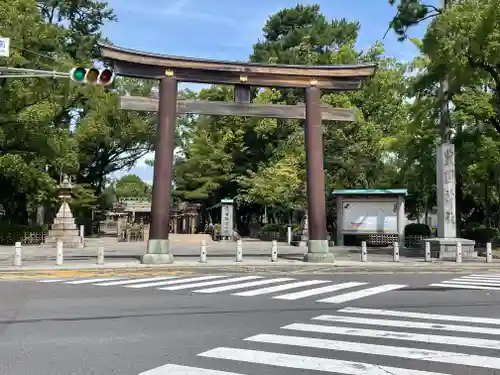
<point x="8" y="72"/>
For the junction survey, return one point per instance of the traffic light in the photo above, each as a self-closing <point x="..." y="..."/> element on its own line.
<point x="93" y="76"/>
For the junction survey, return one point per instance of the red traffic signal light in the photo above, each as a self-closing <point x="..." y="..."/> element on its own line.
<point x="107" y="76"/>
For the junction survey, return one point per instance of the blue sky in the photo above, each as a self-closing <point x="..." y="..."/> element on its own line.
<point x="227" y="29"/>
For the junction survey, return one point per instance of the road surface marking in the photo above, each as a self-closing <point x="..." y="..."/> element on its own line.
<point x="385" y="350"/>
<point x="408" y="324"/>
<point x="445" y="284"/>
<point x="133" y="281"/>
<point x="308" y="363"/>
<point x="279" y="288"/>
<point x="474" y="282"/>
<point x="495" y="275"/>
<point x="90" y="281"/>
<point x="419" y="315"/>
<point x="184" y="370"/>
<point x="396" y="335"/>
<point x="316" y="291"/>
<point x="361" y="293"/>
<point x="208" y="283"/>
<point x="225" y="288"/>
<point x="477" y="278"/>
<point x="170" y="282"/>
<point x="51" y="280"/>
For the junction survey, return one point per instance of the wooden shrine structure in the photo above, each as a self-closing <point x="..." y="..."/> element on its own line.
<point x="170" y="70"/>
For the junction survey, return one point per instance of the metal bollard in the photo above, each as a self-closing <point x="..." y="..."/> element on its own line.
<point x="427" y="252"/>
<point x="59" y="253"/>
<point x="239" y="251"/>
<point x="274" y="251"/>
<point x="203" y="252"/>
<point x="364" y="254"/>
<point x="459" y="253"/>
<point x="18" y="256"/>
<point x="100" y="254"/>
<point x="489" y="253"/>
<point x="289" y="235"/>
<point x="396" y="251"/>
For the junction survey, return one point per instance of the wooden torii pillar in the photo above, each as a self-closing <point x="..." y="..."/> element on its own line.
<point x="171" y="70"/>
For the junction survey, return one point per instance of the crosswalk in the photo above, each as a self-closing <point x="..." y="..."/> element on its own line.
<point x="342" y="344"/>
<point x="279" y="288"/>
<point x="476" y="281"/>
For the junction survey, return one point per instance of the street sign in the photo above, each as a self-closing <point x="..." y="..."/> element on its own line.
<point x="4" y="47"/>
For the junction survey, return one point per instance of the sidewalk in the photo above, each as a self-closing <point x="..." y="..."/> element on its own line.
<point x="221" y="257"/>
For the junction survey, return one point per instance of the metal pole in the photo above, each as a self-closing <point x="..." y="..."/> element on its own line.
<point x="239" y="251"/>
<point x="364" y="253"/>
<point x="489" y="253"/>
<point x="274" y="251"/>
<point x="396" y="251"/>
<point x="100" y="254"/>
<point x="289" y="235"/>
<point x="459" y="253"/>
<point x="203" y="252"/>
<point x="18" y="257"/>
<point x="428" y="256"/>
<point x="59" y="253"/>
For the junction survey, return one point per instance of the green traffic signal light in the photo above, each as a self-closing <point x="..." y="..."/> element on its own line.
<point x="78" y="74"/>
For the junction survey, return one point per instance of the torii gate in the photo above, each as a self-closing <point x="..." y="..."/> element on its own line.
<point x="171" y="70"/>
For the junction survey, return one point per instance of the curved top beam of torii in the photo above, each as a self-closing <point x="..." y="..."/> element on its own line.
<point x="139" y="64"/>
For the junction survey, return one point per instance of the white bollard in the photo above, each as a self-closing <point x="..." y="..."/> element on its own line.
<point x="100" y="254"/>
<point x="82" y="233"/>
<point x="489" y="253"/>
<point x="364" y="254"/>
<point x="18" y="256"/>
<point x="59" y="253"/>
<point x="427" y="251"/>
<point x="239" y="251"/>
<point x="459" y="253"/>
<point x="274" y="251"/>
<point x="203" y="252"/>
<point x="396" y="251"/>
<point x="289" y="235"/>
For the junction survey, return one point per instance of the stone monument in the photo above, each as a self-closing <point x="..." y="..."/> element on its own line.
<point x="64" y="227"/>
<point x="445" y="246"/>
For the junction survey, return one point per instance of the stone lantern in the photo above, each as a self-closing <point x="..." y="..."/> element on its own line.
<point x="64" y="227"/>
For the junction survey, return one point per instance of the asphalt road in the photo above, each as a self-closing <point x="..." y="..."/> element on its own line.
<point x="82" y="329"/>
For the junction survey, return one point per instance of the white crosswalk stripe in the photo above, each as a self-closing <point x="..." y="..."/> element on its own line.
<point x="227" y="288"/>
<point x="475" y="281"/>
<point x="362" y="293"/>
<point x="350" y="349"/>
<point x="316" y="291"/>
<point x="279" y="288"/>
<point x="210" y="283"/>
<point x="184" y="370"/>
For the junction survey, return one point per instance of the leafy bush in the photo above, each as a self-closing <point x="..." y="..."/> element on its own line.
<point x="10" y="234"/>
<point x="282" y="229"/>
<point x="415" y="229"/>
<point x="481" y="234"/>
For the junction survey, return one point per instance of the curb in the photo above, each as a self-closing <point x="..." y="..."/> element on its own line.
<point x="434" y="267"/>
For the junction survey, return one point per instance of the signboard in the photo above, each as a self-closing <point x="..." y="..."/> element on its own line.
<point x="4" y="47"/>
<point x="370" y="217"/>
<point x="226" y="227"/>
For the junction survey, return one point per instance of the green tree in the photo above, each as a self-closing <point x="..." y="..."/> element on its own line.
<point x="131" y="186"/>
